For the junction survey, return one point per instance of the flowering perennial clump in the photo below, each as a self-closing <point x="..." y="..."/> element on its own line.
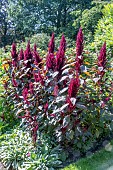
<point x="56" y="97"/>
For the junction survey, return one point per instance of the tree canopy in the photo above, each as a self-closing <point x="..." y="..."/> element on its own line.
<point x="23" y="18"/>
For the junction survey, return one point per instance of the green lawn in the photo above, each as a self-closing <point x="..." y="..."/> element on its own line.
<point x="102" y="160"/>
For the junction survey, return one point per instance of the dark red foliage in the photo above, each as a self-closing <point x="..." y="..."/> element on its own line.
<point x="63" y="129"/>
<point x="25" y="95"/>
<point x="14" y="82"/>
<point x="56" y="91"/>
<point x="34" y="129"/>
<point x="71" y="107"/>
<point x="31" y="88"/>
<point x="36" y="77"/>
<point x="5" y="85"/>
<point x="51" y="44"/>
<point x="76" y="122"/>
<point x="39" y="78"/>
<point x="46" y="107"/>
<point x="50" y="62"/>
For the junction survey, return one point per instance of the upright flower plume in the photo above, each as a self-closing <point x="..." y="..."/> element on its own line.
<point x="102" y="60"/>
<point x="28" y="57"/>
<point x="73" y="87"/>
<point x="51" y="44"/>
<point x="63" y="42"/>
<point x="14" y="55"/>
<point x="27" y="53"/>
<point x="79" y="50"/>
<point x="72" y="92"/>
<point x="50" y="61"/>
<point x="60" y="56"/>
<point x="102" y="56"/>
<point x="36" y="56"/>
<point x="21" y="54"/>
<point x="79" y="43"/>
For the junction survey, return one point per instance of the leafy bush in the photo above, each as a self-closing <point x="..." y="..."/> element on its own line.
<point x="104" y="29"/>
<point x="62" y="96"/>
<point x="88" y="21"/>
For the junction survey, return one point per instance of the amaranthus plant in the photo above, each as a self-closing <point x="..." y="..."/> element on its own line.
<point x="67" y="100"/>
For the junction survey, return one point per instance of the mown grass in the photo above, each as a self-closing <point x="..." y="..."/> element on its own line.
<point x="101" y="160"/>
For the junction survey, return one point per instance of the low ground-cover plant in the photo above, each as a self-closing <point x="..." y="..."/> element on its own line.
<point x="17" y="152"/>
<point x="65" y="97"/>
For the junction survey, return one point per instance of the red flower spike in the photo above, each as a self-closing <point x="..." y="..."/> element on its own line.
<point x="27" y="53"/>
<point x="50" y="62"/>
<point x="51" y="44"/>
<point x="60" y="59"/>
<point x="73" y="87"/>
<point x="63" y="42"/>
<point x="102" y="61"/>
<point x="102" y="56"/>
<point x="60" y="56"/>
<point x="13" y="52"/>
<point x="14" y="55"/>
<point x="79" y="50"/>
<point x="37" y="57"/>
<point x="79" y="43"/>
<point x="41" y="79"/>
<point x="21" y="55"/>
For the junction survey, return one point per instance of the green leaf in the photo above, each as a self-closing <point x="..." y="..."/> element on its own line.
<point x="66" y="120"/>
